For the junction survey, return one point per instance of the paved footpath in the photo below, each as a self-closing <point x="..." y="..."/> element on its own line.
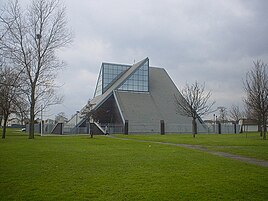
<point x="254" y="161"/>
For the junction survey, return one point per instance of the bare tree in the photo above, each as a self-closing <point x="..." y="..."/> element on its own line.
<point x="222" y="114"/>
<point x="33" y="36"/>
<point x="9" y="88"/>
<point x="87" y="111"/>
<point x="254" y="115"/>
<point x="235" y="113"/>
<point x="61" y="118"/>
<point x="256" y="88"/>
<point x="21" y="108"/>
<point x="89" y="114"/>
<point x="194" y="103"/>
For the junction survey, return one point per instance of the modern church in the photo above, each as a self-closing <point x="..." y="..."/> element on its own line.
<point x="137" y="99"/>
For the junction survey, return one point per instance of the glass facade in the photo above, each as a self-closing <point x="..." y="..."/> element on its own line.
<point x="109" y="73"/>
<point x="138" y="81"/>
<point x="98" y="90"/>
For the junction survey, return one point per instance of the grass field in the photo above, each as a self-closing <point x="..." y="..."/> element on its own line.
<point x="246" y="144"/>
<point x="102" y="168"/>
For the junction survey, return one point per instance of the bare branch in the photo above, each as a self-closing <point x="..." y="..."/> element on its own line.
<point x="235" y="113"/>
<point x="194" y="101"/>
<point x="256" y="88"/>
<point x="30" y="40"/>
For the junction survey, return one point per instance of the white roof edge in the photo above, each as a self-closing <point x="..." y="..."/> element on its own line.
<point x="100" y="99"/>
<point x="118" y="106"/>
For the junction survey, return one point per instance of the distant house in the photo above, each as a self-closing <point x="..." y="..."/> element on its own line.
<point x="14" y="120"/>
<point x="222" y="126"/>
<point x="248" y="125"/>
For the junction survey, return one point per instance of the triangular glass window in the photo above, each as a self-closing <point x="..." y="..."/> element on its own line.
<point x="98" y="90"/>
<point x="111" y="72"/>
<point x="138" y="81"/>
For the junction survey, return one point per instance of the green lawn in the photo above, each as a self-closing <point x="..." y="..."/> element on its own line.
<point x="81" y="168"/>
<point x="246" y="144"/>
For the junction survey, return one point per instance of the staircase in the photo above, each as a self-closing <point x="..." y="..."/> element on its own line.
<point x="96" y="129"/>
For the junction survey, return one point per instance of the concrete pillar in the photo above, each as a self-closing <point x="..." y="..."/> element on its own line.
<point x="162" y="127"/>
<point x="126" y="128"/>
<point x="235" y="128"/>
<point x="219" y="128"/>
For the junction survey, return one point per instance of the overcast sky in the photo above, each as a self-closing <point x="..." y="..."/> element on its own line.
<point x="209" y="41"/>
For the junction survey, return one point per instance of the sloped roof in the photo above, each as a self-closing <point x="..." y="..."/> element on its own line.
<point x="97" y="101"/>
<point x="154" y="106"/>
<point x="137" y="107"/>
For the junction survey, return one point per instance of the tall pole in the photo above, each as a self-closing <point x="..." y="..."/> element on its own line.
<point x="76" y="122"/>
<point x="214" y="123"/>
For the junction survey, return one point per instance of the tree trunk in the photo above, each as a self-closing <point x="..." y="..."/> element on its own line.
<point x="31" y="129"/>
<point x="194" y="127"/>
<point x="260" y="129"/>
<point x="1" y="118"/>
<point x="264" y="127"/>
<point x="4" y="127"/>
<point x="31" y="126"/>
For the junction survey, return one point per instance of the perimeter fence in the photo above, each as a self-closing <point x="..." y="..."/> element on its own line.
<point x="142" y="128"/>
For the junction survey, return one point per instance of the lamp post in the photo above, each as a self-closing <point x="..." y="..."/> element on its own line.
<point x="214" y="123"/>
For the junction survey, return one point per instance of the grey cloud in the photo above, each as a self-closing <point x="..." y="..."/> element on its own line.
<point x="210" y="41"/>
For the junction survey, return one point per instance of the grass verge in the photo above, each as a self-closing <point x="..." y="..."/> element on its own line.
<point x="81" y="168"/>
<point x="249" y="145"/>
